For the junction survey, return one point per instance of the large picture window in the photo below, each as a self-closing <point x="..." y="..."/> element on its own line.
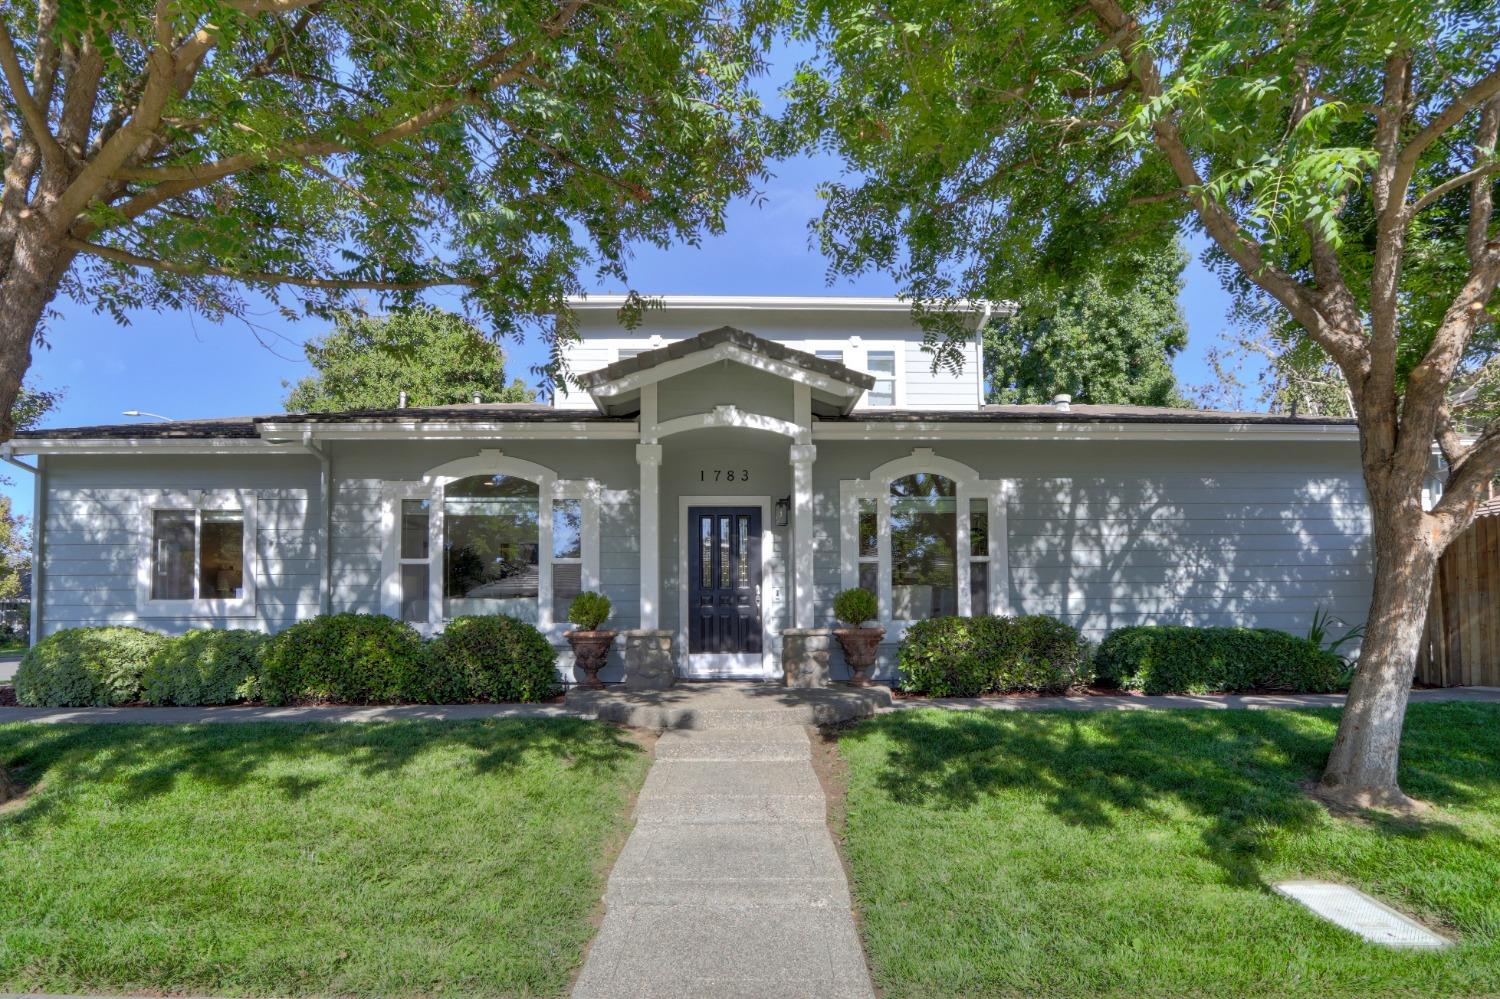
<point x="489" y="535"/>
<point x="926" y="536"/>
<point x="197" y="555"/>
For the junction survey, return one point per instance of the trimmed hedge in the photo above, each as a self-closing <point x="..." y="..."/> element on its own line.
<point x="970" y="656"/>
<point x="206" y="666"/>
<point x="497" y="658"/>
<point x="86" y="667"/>
<point x="345" y="658"/>
<point x="1174" y="659"/>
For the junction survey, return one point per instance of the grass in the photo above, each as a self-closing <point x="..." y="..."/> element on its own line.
<point x="12" y="646"/>
<point x="1042" y="854"/>
<point x="395" y="859"/>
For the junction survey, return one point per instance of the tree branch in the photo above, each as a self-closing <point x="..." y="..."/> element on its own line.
<point x="33" y="115"/>
<point x="120" y="256"/>
<point x="1451" y="184"/>
<point x="1482" y="195"/>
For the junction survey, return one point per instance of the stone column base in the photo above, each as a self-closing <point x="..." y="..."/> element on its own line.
<point x="648" y="659"/>
<point x="804" y="656"/>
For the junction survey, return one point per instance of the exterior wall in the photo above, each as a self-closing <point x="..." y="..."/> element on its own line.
<point x="1109" y="534"/>
<point x="94" y="534"/>
<point x="853" y="333"/>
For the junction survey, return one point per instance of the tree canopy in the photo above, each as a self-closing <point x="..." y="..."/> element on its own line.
<point x="435" y="357"/>
<point x="1339" y="154"/>
<point x="173" y="154"/>
<point x="1097" y="344"/>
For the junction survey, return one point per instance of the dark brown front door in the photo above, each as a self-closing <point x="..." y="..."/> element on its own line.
<point x="724" y="579"/>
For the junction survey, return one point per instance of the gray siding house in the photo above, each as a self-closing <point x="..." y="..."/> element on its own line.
<point x="720" y="473"/>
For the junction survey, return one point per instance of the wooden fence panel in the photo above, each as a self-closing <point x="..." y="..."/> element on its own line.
<point x="1461" y="643"/>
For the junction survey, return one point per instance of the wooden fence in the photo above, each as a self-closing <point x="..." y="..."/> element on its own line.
<point x="1461" y="646"/>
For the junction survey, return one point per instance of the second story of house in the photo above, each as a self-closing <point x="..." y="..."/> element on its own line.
<point x="876" y="336"/>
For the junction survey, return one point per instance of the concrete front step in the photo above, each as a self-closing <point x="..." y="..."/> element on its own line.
<point x="689" y="779"/>
<point x="741" y="808"/>
<point x="730" y="705"/>
<point x="728" y="851"/>
<point x="737" y="745"/>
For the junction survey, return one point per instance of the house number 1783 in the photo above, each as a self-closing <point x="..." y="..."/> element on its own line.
<point x="724" y="474"/>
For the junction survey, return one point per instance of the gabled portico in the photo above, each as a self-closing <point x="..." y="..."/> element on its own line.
<point x="725" y="469"/>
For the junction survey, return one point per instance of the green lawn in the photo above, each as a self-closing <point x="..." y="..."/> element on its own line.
<point x="1051" y="854"/>
<point x="390" y="859"/>
<point x="11" y="647"/>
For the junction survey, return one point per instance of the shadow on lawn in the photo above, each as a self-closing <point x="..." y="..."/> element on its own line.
<point x="1242" y="774"/>
<point x="149" y="760"/>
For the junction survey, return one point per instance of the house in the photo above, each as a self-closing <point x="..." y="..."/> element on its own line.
<point x="720" y="473"/>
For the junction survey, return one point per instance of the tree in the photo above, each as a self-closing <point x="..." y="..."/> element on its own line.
<point x="170" y="154"/>
<point x="435" y="357"/>
<point x="1096" y="343"/>
<point x="1294" y="375"/>
<point x="1339" y="156"/>
<point x="15" y="550"/>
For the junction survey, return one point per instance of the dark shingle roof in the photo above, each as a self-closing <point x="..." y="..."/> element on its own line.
<point x="1083" y="413"/>
<point x="648" y="359"/>
<point x="468" y="412"/>
<point x="228" y="426"/>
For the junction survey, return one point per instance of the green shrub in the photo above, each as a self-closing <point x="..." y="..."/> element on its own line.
<point x="498" y="658"/>
<point x="1170" y="659"/>
<point x="205" y="666"/>
<point x="344" y="658"/>
<point x="86" y="667"/>
<point x="589" y="611"/>
<point x="854" y="607"/>
<point x="970" y="656"/>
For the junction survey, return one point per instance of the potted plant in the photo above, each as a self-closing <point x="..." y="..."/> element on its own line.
<point x="854" y="608"/>
<point x="590" y="645"/>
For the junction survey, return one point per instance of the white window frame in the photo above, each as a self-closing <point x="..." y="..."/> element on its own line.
<point x="855" y="354"/>
<point x="969" y="486"/>
<point x="198" y="501"/>
<point x="431" y="487"/>
<point x="897" y="379"/>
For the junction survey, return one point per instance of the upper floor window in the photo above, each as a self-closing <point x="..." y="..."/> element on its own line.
<point x="625" y="352"/>
<point x="199" y="553"/>
<point x="882" y="364"/>
<point x="837" y="356"/>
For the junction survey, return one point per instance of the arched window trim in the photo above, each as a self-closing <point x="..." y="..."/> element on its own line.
<point x="969" y="486"/>
<point x="431" y="487"/>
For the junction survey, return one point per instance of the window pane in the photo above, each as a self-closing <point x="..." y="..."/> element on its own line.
<point x="172" y="540"/>
<point x="869" y="530"/>
<point x="414" y="580"/>
<point x="867" y="577"/>
<point x="567" y="583"/>
<point x="491" y="543"/>
<point x="979" y="588"/>
<point x="837" y="356"/>
<point x="882" y="364"/>
<point x="567" y="528"/>
<point x="222" y="559"/>
<point x="883" y="394"/>
<point x="924" y="547"/>
<point x="414" y="536"/>
<point x="979" y="528"/>
<point x="706" y="550"/>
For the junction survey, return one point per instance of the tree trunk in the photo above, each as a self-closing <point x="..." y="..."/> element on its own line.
<point x="29" y="285"/>
<point x="1361" y="769"/>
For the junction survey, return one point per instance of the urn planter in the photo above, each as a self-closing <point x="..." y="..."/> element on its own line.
<point x="590" y="653"/>
<point x="860" y="646"/>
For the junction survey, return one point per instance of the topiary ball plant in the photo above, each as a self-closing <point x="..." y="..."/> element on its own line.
<point x="854" y="607"/>
<point x="589" y="611"/>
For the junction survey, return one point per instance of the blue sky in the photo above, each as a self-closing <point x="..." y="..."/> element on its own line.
<point x="183" y="367"/>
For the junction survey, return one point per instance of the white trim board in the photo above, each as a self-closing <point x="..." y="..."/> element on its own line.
<point x="767" y="542"/>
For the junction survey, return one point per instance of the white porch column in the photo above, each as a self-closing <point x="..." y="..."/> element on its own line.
<point x="802" y="534"/>
<point x="648" y="457"/>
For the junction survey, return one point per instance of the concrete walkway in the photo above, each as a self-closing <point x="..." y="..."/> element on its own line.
<point x="241" y="713"/>
<point x="730" y="885"/>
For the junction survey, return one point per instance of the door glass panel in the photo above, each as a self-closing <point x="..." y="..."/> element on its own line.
<point x="744" y="522"/>
<point x="724" y="554"/>
<point x="567" y="528"/>
<point x="706" y="551"/>
<point x="173" y="536"/>
<point x="567" y="583"/>
<point x="490" y="545"/>
<point x="924" y="547"/>
<point x="979" y="528"/>
<point x="414" y="536"/>
<point x="867" y="577"/>
<point x="414" y="600"/>
<point x="221" y="558"/>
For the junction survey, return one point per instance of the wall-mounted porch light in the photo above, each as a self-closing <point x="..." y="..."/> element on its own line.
<point x="783" y="510"/>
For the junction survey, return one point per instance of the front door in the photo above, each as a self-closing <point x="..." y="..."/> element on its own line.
<point x="724" y="623"/>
